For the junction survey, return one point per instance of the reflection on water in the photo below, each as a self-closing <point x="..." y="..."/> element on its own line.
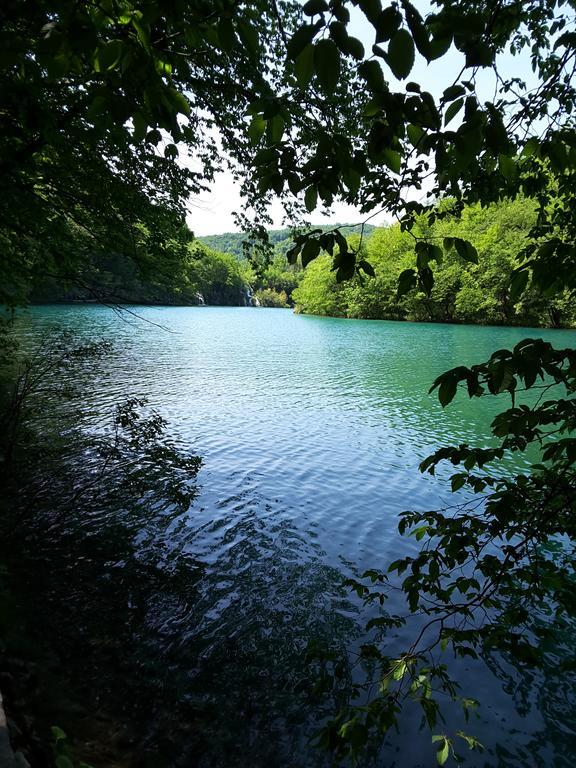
<point x="184" y="661"/>
<point x="207" y="663"/>
<point x="190" y="630"/>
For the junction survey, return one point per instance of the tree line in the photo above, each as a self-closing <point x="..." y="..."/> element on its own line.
<point x="477" y="291"/>
<point x="219" y="270"/>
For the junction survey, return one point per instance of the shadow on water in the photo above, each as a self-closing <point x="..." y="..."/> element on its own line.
<point x="149" y="660"/>
<point x="548" y="693"/>
<point x="158" y="634"/>
<point x="143" y="651"/>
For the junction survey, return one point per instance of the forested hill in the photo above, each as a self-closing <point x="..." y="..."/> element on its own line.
<point x="281" y="239"/>
<point x="213" y="270"/>
<point x="477" y="290"/>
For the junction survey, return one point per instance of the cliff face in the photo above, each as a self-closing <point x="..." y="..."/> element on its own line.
<point x="215" y="295"/>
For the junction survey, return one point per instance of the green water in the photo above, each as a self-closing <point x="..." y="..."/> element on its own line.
<point x="311" y="430"/>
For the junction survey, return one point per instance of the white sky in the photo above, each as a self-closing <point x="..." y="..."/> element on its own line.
<point x="212" y="213"/>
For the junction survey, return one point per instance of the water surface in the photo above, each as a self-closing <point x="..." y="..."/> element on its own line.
<point x="311" y="431"/>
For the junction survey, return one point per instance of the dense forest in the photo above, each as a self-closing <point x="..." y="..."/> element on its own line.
<point x="473" y="292"/>
<point x="216" y="270"/>
<point x="280" y="239"/>
<point x="197" y="275"/>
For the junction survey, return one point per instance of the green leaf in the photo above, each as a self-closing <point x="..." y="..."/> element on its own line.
<point x="443" y="752"/>
<point x="249" y="36"/>
<point x="339" y="34"/>
<point x="327" y="64"/>
<point x="256" y="128"/>
<point x="300" y="39"/>
<point x="406" y="281"/>
<point x="226" y="34"/>
<point x="422" y="254"/>
<point x="507" y="166"/>
<point x="531" y="147"/>
<point x="392" y="159"/>
<point x="352" y="179"/>
<point x="370" y="8"/>
<point x="365" y="266"/>
<point x="439" y="46"/>
<point x="470" y="740"/>
<point x="418" y="30"/>
<point x="457" y="482"/>
<point x="387" y="24"/>
<point x="310" y="251"/>
<point x="154" y="136"/>
<point x="419" y="532"/>
<point x="304" y="66"/>
<point x="479" y="54"/>
<point x="355" y="48"/>
<point x="453" y="110"/>
<point x="179" y="101"/>
<point x="426" y="280"/>
<point x="140" y="125"/>
<point x="453" y="92"/>
<point x="399" y="670"/>
<point x="435" y="253"/>
<point x="371" y="71"/>
<point x="466" y="250"/>
<point x="311" y="198"/>
<point x="57" y="733"/>
<point x="345" y="272"/>
<point x="109" y="55"/>
<point x="315" y="6"/>
<point x="518" y="283"/>
<point x="447" y="390"/>
<point x="415" y="134"/>
<point x="63" y="762"/>
<point x="292" y="254"/>
<point x="276" y="129"/>
<point x="401" y="54"/>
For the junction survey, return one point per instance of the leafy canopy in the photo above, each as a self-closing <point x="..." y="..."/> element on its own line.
<point x="98" y="101"/>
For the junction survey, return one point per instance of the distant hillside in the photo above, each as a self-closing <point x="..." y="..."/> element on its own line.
<point x="231" y="242"/>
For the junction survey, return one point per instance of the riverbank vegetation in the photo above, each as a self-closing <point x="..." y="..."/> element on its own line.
<point x="470" y="292"/>
<point x="196" y="275"/>
<point x="462" y="292"/>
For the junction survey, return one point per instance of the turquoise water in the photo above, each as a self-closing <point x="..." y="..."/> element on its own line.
<point x="311" y="430"/>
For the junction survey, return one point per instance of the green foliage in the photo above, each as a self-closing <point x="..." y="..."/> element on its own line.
<point x="268" y="297"/>
<point x="97" y="501"/>
<point x="96" y="99"/>
<point x="471" y="286"/>
<point x="280" y="239"/>
<point x="196" y="273"/>
<point x="278" y="277"/>
<point x="319" y="293"/>
<point x="63" y="752"/>
<point x="496" y="572"/>
<point x="218" y="277"/>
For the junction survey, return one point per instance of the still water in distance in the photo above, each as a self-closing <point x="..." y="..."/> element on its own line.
<point x="311" y="431"/>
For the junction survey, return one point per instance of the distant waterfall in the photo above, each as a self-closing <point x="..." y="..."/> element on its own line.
<point x="247" y="298"/>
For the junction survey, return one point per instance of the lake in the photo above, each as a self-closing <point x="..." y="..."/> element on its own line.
<point x="311" y="431"/>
